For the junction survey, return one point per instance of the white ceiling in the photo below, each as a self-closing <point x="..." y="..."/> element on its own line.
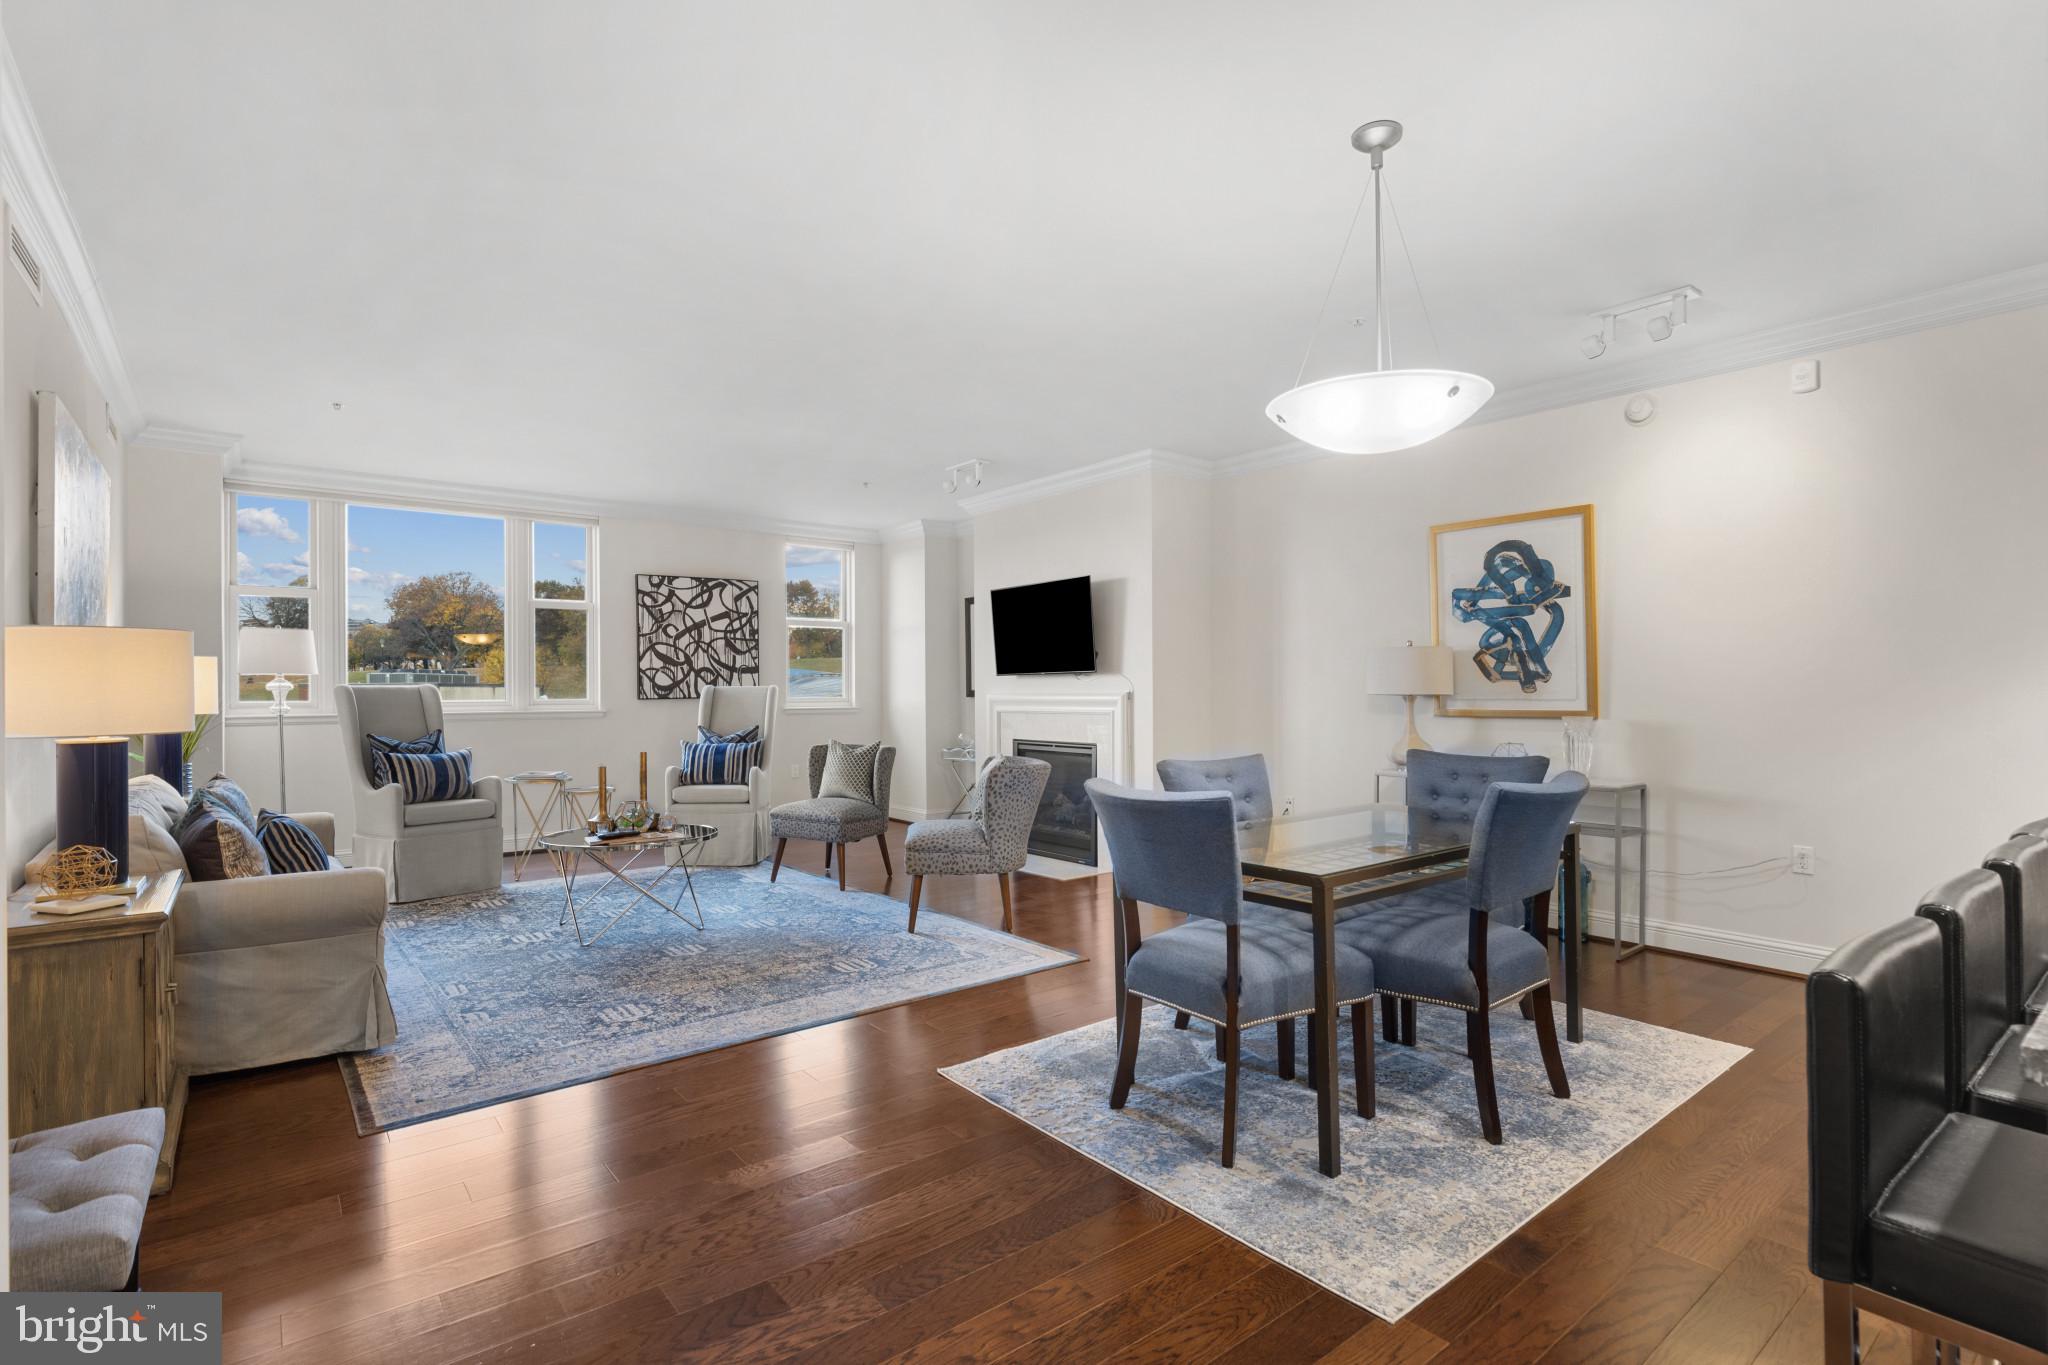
<point x="793" y="259"/>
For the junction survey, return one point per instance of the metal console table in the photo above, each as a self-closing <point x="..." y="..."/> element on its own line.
<point x="1626" y="817"/>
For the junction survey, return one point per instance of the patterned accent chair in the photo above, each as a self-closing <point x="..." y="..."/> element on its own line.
<point x="836" y="819"/>
<point x="1478" y="956"/>
<point x="738" y="811"/>
<point x="434" y="848"/>
<point x="989" y="843"/>
<point x="1178" y="851"/>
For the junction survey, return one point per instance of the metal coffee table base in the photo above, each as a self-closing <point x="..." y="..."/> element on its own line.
<point x="571" y="909"/>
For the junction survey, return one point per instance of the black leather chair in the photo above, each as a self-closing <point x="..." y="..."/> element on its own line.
<point x="2022" y="864"/>
<point x="1930" y="1218"/>
<point x="1982" y="1041"/>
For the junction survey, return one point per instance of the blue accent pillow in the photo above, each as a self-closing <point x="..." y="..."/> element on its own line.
<point x="719" y="762"/>
<point x="380" y="745"/>
<point x="431" y="777"/>
<point x="289" y="846"/>
<point x="218" y="847"/>
<point x="219" y="794"/>
<point x="746" y="736"/>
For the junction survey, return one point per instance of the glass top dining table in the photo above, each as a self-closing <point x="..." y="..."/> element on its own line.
<point x="1345" y="860"/>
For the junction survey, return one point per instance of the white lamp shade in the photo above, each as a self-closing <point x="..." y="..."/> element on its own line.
<point x="274" y="650"/>
<point x="1383" y="410"/>
<point x="1409" y="671"/>
<point x="205" y="685"/>
<point x="69" y="682"/>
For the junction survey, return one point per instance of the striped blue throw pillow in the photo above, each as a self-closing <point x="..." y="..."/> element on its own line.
<point x="719" y="762"/>
<point x="382" y="746"/>
<point x="288" y="845"/>
<point x="431" y="777"/>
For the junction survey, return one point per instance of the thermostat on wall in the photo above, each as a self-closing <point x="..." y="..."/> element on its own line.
<point x="1805" y="376"/>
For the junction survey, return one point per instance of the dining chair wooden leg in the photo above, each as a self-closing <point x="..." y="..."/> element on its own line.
<point x="882" y="842"/>
<point x="1284" y="1044"/>
<point x="828" y="855"/>
<point x="1546" y="1039"/>
<point x="1528" y="1005"/>
<point x="842" y="868"/>
<point x="1362" y="1057"/>
<point x="916" y="887"/>
<point x="1390" y="1019"/>
<point x="1479" y="1042"/>
<point x="1003" y="881"/>
<point x="776" y="871"/>
<point x="1232" y="1046"/>
<point x="1127" y="1050"/>
<point x="1315" y="1059"/>
<point x="1181" y="1018"/>
<point x="1408" y="1023"/>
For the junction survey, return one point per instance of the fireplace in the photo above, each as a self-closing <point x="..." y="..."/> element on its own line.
<point x="1064" y="827"/>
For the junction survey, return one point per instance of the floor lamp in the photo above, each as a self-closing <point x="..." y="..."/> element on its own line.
<point x="163" y="755"/>
<point x="75" y="684"/>
<point x="284" y="654"/>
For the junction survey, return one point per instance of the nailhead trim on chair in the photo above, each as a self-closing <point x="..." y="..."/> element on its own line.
<point x="1243" y="1023"/>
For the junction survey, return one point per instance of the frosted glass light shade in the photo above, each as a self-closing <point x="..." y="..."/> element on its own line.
<point x="1378" y="411"/>
<point x="1409" y="671"/>
<point x="69" y="682"/>
<point x="205" y="685"/>
<point x="275" y="650"/>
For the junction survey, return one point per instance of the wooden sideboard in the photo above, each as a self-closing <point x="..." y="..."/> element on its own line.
<point x="91" y="1015"/>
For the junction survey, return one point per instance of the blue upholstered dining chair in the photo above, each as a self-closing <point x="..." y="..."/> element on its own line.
<point x="1425" y="951"/>
<point x="1178" y="851"/>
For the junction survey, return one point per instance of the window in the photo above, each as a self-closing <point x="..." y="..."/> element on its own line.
<point x="273" y="546"/>
<point x="426" y="601"/>
<point x="818" y="600"/>
<point x="495" y="610"/>
<point x="561" y="612"/>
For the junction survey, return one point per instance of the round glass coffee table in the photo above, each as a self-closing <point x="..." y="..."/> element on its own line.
<point x="618" y="857"/>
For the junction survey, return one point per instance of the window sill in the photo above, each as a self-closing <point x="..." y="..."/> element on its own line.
<point x="799" y="707"/>
<point x="305" y="715"/>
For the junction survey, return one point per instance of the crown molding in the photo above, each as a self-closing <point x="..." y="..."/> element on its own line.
<point x="407" y="491"/>
<point x="222" y="445"/>
<point x="928" y="528"/>
<point x="1066" y="481"/>
<point x="43" y="215"/>
<point x="1964" y="302"/>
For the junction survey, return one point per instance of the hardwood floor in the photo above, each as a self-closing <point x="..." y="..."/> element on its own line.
<point x="826" y="1196"/>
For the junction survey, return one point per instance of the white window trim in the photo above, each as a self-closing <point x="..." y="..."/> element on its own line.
<point x="848" y="671"/>
<point x="327" y="562"/>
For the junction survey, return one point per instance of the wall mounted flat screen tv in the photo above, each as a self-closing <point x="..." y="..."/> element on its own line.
<point x="1044" y="627"/>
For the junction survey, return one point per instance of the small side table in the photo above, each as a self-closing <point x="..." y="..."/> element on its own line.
<point x="960" y="761"/>
<point x="1625" y="816"/>
<point x="537" y="821"/>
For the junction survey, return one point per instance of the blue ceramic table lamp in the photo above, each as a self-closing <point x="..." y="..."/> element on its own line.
<point x="90" y="688"/>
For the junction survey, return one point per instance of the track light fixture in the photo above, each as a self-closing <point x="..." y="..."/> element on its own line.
<point x="966" y="474"/>
<point x="1667" y="314"/>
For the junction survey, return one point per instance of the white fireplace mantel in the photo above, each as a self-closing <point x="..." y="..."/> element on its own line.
<point x="1102" y="719"/>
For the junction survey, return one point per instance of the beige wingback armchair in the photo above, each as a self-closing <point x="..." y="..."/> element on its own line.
<point x="433" y="848"/>
<point x="739" y="811"/>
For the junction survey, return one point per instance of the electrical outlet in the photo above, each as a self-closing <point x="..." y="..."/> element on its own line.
<point x="796" y="773"/>
<point x="1287" y="806"/>
<point x="1802" y="859"/>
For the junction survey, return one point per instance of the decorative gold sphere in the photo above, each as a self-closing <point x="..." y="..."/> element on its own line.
<point x="80" y="870"/>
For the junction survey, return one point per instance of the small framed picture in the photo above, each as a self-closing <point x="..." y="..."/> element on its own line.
<point x="1514" y="598"/>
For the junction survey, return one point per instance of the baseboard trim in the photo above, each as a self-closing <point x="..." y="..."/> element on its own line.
<point x="1717" y="945"/>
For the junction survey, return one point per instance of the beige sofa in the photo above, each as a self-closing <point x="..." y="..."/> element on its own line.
<point x="269" y="969"/>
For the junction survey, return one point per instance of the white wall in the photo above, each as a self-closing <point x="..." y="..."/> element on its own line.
<point x="904" y="670"/>
<point x="511" y="743"/>
<point x="174" y="557"/>
<point x="1818" y="623"/>
<point x="40" y="352"/>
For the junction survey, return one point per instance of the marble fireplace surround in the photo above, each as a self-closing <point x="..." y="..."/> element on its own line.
<point x="1102" y="719"/>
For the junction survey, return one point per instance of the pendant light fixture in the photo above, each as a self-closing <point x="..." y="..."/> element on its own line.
<point x="1382" y="409"/>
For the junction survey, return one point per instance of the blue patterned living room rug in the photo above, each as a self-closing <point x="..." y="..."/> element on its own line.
<point x="495" y="1002"/>
<point x="1422" y="1195"/>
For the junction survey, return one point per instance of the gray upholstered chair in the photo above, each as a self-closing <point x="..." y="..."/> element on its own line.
<point x="2022" y="865"/>
<point x="1445" y="790"/>
<point x="1244" y="777"/>
<point x="836" y="819"/>
<point x="738" y="811"/>
<point x="1178" y="851"/>
<point x="1472" y="953"/>
<point x="76" y="1196"/>
<point x="430" y="848"/>
<point x="990" y="842"/>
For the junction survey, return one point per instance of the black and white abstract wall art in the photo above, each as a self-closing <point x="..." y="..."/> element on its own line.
<point x="696" y="632"/>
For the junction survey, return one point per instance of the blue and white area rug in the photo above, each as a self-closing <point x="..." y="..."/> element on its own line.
<point x="1422" y="1195"/>
<point x="495" y="1002"/>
